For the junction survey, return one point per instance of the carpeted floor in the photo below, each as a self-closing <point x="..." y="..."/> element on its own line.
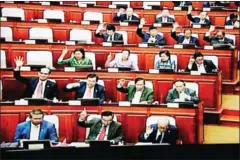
<point x="231" y="102"/>
<point x="214" y="134"/>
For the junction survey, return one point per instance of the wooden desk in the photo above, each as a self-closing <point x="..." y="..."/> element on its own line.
<point x="133" y="119"/>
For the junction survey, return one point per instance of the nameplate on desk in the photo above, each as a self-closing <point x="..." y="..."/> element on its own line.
<point x="178" y="46"/>
<point x="82" y="5"/>
<point x="172" y="105"/>
<point x="25" y="68"/>
<point x="36" y="146"/>
<point x="124" y="103"/>
<point x="46" y="3"/>
<point x="112" y="70"/>
<point x="154" y="71"/>
<point x="70" y="42"/>
<point x="123" y="23"/>
<point x="42" y="21"/>
<point x="85" y="22"/>
<point x="29" y="41"/>
<point x="208" y="47"/>
<point x="21" y="102"/>
<point x="147" y="7"/>
<point x="206" y="9"/>
<point x="143" y="45"/>
<point x="69" y="69"/>
<point x="195" y="73"/>
<point x="177" y="8"/>
<point x="112" y="6"/>
<point x="228" y="26"/>
<point x="74" y="103"/>
<point x="157" y="24"/>
<point x="196" y="26"/>
<point x="107" y="44"/>
<point x="3" y="19"/>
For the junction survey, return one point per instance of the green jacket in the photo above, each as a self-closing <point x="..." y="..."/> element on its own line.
<point x="147" y="94"/>
<point x="73" y="62"/>
<point x="114" y="133"/>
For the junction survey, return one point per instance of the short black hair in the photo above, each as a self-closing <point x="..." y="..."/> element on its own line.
<point x="223" y="33"/>
<point x="80" y="50"/>
<point x="233" y="15"/>
<point x="187" y="30"/>
<point x="36" y="112"/>
<point x="179" y="80"/>
<point x="111" y="27"/>
<point x="92" y="75"/>
<point x="107" y="113"/>
<point x="49" y="69"/>
<point x="152" y="27"/>
<point x="164" y="52"/>
<point x="197" y="54"/>
<point x="140" y="79"/>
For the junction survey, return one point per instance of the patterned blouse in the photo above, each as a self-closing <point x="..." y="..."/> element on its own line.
<point x="73" y="62"/>
<point x="166" y="65"/>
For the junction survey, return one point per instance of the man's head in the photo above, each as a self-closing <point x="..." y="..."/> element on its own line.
<point x="233" y="17"/>
<point x="165" y="13"/>
<point x="79" y="53"/>
<point x="129" y="11"/>
<point x="92" y="79"/>
<point x="110" y="29"/>
<point x="153" y="31"/>
<point x="139" y="83"/>
<point x="198" y="56"/>
<point x="180" y="85"/>
<point x="36" y="116"/>
<point x="164" y="55"/>
<point x="187" y="33"/>
<point x="220" y="34"/>
<point x="203" y="15"/>
<point x="107" y="118"/>
<point x="44" y="73"/>
<point x="163" y="124"/>
<point x="125" y="54"/>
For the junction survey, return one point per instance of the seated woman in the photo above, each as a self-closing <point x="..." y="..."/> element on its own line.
<point x="165" y="61"/>
<point x="122" y="61"/>
<point x="77" y="59"/>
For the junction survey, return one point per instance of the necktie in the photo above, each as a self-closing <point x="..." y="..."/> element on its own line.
<point x="129" y="18"/>
<point x="40" y="90"/>
<point x="102" y="134"/>
<point x="89" y="93"/>
<point x="160" y="137"/>
<point x="111" y="39"/>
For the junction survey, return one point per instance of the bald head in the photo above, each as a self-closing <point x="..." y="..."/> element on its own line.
<point x="163" y="123"/>
<point x="129" y="11"/>
<point x="203" y="15"/>
<point x="165" y="13"/>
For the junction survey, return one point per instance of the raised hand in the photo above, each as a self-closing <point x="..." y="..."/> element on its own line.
<point x="19" y="61"/>
<point x="83" y="114"/>
<point x="121" y="11"/>
<point x="121" y="81"/>
<point x="191" y="60"/>
<point x="190" y="9"/>
<point x="65" y="51"/>
<point x="212" y="28"/>
<point x="175" y="25"/>
<point x="109" y="56"/>
<point x="149" y="130"/>
<point x="142" y="21"/>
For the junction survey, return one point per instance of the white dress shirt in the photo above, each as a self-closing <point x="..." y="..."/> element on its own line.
<point x="201" y="68"/>
<point x="137" y="96"/>
<point x="110" y="37"/>
<point x="182" y="96"/>
<point x="34" y="133"/>
<point x="164" y="19"/>
<point x="86" y="92"/>
<point x="186" y="41"/>
<point x="158" y="134"/>
<point x="106" y="133"/>
<point x="43" y="85"/>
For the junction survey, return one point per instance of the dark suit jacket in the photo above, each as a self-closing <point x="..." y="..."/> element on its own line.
<point x="229" y="22"/>
<point x="50" y="91"/>
<point x="147" y="94"/>
<point x="173" y="94"/>
<point x="159" y="20"/>
<point x="145" y="36"/>
<point x="197" y="20"/>
<point x="114" y="133"/>
<point x="47" y="131"/>
<point x="99" y="91"/>
<point x="170" y="136"/>
<point x="117" y="36"/>
<point x="123" y="17"/>
<point x="208" y="65"/>
<point x="217" y="3"/>
<point x="215" y="40"/>
<point x="177" y="3"/>
<point x="181" y="38"/>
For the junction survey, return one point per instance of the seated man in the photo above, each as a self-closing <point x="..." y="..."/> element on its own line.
<point x="152" y="37"/>
<point x="187" y="38"/>
<point x="200" y="64"/>
<point x="165" y="61"/>
<point x="123" y="61"/>
<point x="164" y="17"/>
<point x="102" y="129"/>
<point x="233" y="20"/>
<point x="77" y="58"/>
<point x="40" y="87"/>
<point x="137" y="93"/>
<point x="36" y="128"/>
<point x="219" y="38"/>
<point x="202" y="19"/>
<point x="215" y="4"/>
<point x="162" y="132"/>
<point x="182" y="3"/>
<point x="110" y="35"/>
<point x="123" y="15"/>
<point x="180" y="93"/>
<point x="88" y="89"/>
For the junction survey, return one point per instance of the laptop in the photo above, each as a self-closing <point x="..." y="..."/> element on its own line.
<point x="132" y="21"/>
<point x="188" y="46"/>
<point x="216" y="8"/>
<point x="185" y="104"/>
<point x="35" y="66"/>
<point x="117" y="42"/>
<point x="156" y="6"/>
<point x="168" y="70"/>
<point x="99" y="144"/>
<point x="53" y="20"/>
<point x="89" y="101"/>
<point x="167" y="24"/>
<point x="36" y="101"/>
<point x="124" y="68"/>
<point x="36" y="144"/>
<point x="121" y="6"/>
<point x="221" y="46"/>
<point x="40" y="41"/>
<point x="84" y="67"/>
<point x="14" y="19"/>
